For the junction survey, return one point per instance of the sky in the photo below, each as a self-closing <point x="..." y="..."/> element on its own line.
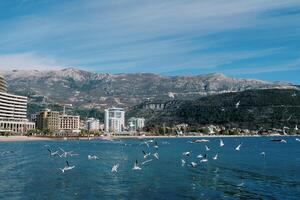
<point x="251" y="39"/>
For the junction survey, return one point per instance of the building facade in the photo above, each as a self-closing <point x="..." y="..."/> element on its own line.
<point x="13" y="112"/>
<point x="54" y="121"/>
<point x="114" y="120"/>
<point x="47" y="120"/>
<point x="92" y="124"/>
<point x="136" y="124"/>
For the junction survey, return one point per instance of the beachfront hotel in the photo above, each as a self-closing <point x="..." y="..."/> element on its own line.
<point x="53" y="121"/>
<point x="114" y="120"/>
<point x="13" y="112"/>
<point x="136" y="124"/>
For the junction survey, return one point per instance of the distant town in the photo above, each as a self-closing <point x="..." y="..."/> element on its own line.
<point x="58" y="123"/>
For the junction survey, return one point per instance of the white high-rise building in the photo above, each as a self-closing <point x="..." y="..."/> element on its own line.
<point x="136" y="124"/>
<point x="114" y="120"/>
<point x="92" y="124"/>
<point x="13" y="111"/>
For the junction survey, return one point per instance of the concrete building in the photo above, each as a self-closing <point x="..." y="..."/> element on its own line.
<point x="92" y="124"/>
<point x="54" y="121"/>
<point x="48" y="120"/>
<point x="114" y="120"/>
<point x="69" y="123"/>
<point x="13" y="112"/>
<point x="136" y="124"/>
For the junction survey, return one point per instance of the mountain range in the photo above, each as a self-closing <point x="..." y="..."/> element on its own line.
<point x="90" y="90"/>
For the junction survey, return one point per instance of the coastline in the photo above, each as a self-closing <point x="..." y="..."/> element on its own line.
<point x="45" y="138"/>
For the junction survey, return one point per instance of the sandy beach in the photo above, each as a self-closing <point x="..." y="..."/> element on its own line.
<point x="21" y="138"/>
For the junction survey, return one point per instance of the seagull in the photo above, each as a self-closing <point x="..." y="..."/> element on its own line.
<point x="67" y="167"/>
<point x="215" y="157"/>
<point x="156" y="155"/>
<point x="237" y="104"/>
<point x="199" y="141"/>
<point x="146" y="154"/>
<point x="221" y="143"/>
<point x="146" y="161"/>
<point x="204" y="158"/>
<point x="222" y="109"/>
<point x="263" y="153"/>
<point x="55" y="153"/>
<point x="200" y="156"/>
<point x="284" y="141"/>
<point x="193" y="164"/>
<point x="187" y="153"/>
<point x="294" y="94"/>
<point x="297" y="139"/>
<point x="115" y="168"/>
<point x="66" y="153"/>
<point x="296" y="128"/>
<point x="135" y="166"/>
<point x="207" y="148"/>
<point x="156" y="145"/>
<point x="90" y="157"/>
<point x="238" y="147"/>
<point x="182" y="162"/>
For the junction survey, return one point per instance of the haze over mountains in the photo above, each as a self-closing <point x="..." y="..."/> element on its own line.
<point x="88" y="90"/>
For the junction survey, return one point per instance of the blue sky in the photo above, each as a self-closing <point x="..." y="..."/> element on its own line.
<point x="253" y="39"/>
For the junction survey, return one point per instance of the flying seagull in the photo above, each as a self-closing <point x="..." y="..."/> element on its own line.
<point x="146" y="154"/>
<point x="187" y="153"/>
<point x="237" y="104"/>
<point x="238" y="147"/>
<point x="156" y="155"/>
<point x="135" y="166"/>
<point x="204" y="158"/>
<point x="221" y="143"/>
<point x="115" y="168"/>
<point x="67" y="167"/>
<point x="207" y="148"/>
<point x="146" y="161"/>
<point x="93" y="157"/>
<point x="55" y="153"/>
<point x="215" y="157"/>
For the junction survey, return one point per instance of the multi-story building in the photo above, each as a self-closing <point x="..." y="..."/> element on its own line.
<point x="48" y="120"/>
<point x="136" y="124"/>
<point x="54" y="121"/>
<point x="92" y="124"/>
<point x="69" y="123"/>
<point x="13" y="111"/>
<point x="114" y="120"/>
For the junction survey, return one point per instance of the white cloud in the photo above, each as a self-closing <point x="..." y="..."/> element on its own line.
<point x="27" y="61"/>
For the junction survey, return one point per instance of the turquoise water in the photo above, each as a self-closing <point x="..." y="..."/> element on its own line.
<point x="28" y="172"/>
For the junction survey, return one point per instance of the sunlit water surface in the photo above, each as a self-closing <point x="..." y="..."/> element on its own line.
<point x="28" y="172"/>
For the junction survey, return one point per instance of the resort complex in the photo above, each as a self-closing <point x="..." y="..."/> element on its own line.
<point x="13" y="112"/>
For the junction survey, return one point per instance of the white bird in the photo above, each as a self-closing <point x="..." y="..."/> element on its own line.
<point x="237" y="104"/>
<point x="156" y="145"/>
<point x="200" y="156"/>
<point x="204" y="159"/>
<point x="221" y="143"/>
<point x="215" y="157"/>
<point x="94" y="157"/>
<point x="187" y="153"/>
<point x="135" y="166"/>
<point x="66" y="153"/>
<point x="200" y="141"/>
<point x="193" y="164"/>
<point x="238" y="147"/>
<point x="67" y="167"/>
<point x="296" y="128"/>
<point x="297" y="139"/>
<point x="294" y="94"/>
<point x="156" y="155"/>
<point x="55" y="153"/>
<point x="207" y="148"/>
<point x="182" y="162"/>
<point x="284" y="141"/>
<point x="146" y="154"/>
<point x="115" y="168"/>
<point x="146" y="161"/>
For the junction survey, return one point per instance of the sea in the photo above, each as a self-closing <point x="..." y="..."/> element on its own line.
<point x="27" y="171"/>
